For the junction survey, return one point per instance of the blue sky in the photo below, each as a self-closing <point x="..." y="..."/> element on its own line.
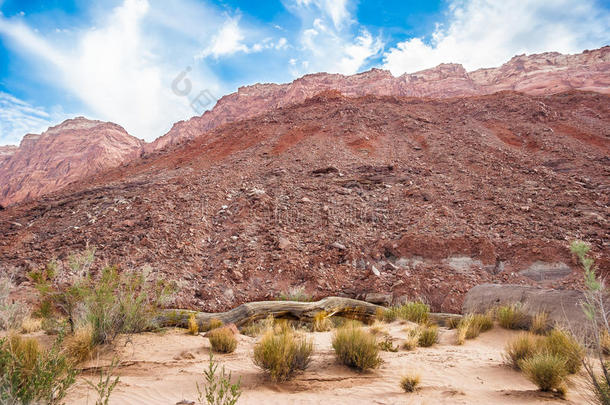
<point x="128" y="61"/>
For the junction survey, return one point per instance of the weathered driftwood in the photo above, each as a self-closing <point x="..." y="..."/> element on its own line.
<point x="253" y="311"/>
<point x="302" y="311"/>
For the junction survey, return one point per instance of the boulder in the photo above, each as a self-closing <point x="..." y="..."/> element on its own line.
<point x="563" y="306"/>
<point x="379" y="298"/>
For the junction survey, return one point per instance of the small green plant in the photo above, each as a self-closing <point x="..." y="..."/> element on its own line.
<point x="546" y="370"/>
<point x="192" y="325"/>
<point x="30" y="375"/>
<point x="387" y="345"/>
<point x="222" y="340"/>
<point x="540" y="323"/>
<point x="321" y="322"/>
<point x="512" y="316"/>
<point x="428" y="335"/>
<point x="295" y="294"/>
<point x="409" y="382"/>
<point x="356" y="347"/>
<point x="282" y="352"/>
<point x="218" y="388"/>
<point x="524" y="346"/>
<point x="106" y="383"/>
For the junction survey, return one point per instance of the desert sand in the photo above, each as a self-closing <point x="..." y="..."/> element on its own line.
<point x="164" y="367"/>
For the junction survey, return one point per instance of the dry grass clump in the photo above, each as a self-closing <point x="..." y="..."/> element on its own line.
<point x="31" y="325"/>
<point x="222" y="340"/>
<point x="356" y="347"/>
<point x="321" y="322"/>
<point x="412" y="340"/>
<point x="523" y="346"/>
<point x="254" y="329"/>
<point x="604" y="341"/>
<point x="281" y="352"/>
<point x="378" y="329"/>
<point x="295" y="294"/>
<point x="562" y="344"/>
<point x="414" y="311"/>
<point x="428" y="335"/>
<point x="512" y="316"/>
<point x="540" y="323"/>
<point x="193" y="326"/>
<point x="472" y="325"/>
<point x="79" y="346"/>
<point x="547" y="370"/>
<point x="453" y="323"/>
<point x="409" y="382"/>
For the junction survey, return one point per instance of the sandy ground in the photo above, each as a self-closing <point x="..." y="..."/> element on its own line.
<point x="163" y="368"/>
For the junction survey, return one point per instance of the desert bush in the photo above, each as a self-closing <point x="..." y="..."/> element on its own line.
<point x="356" y="347"/>
<point x="512" y="316"/>
<point x="193" y="326"/>
<point x="112" y="303"/>
<point x="106" y="383"/>
<point x="295" y="294"/>
<point x="563" y="344"/>
<point x="222" y="340"/>
<point x="409" y="382"/>
<point x="604" y="341"/>
<point x="453" y="323"/>
<point x="389" y="314"/>
<point x="428" y="335"/>
<point x="218" y="388"/>
<point x="387" y="345"/>
<point x="524" y="346"/>
<point x="540" y="323"/>
<point x="214" y="323"/>
<point x="79" y="346"/>
<point x="31" y="375"/>
<point x="378" y="329"/>
<point x="321" y="322"/>
<point x="255" y="328"/>
<point x="12" y="314"/>
<point x="282" y="352"/>
<point x="546" y="370"/>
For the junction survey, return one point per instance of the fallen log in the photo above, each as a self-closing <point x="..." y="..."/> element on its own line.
<point x="253" y="311"/>
<point x="294" y="310"/>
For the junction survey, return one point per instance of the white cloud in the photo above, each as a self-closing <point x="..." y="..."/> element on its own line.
<point x="122" y="71"/>
<point x="18" y="117"/>
<point x="486" y="33"/>
<point x="327" y="40"/>
<point x="227" y="42"/>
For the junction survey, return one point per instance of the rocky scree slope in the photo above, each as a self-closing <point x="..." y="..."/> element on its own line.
<point x="348" y="196"/>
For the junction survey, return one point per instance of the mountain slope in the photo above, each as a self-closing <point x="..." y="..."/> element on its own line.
<point x="347" y="196"/>
<point x="545" y="73"/>
<point x="70" y="151"/>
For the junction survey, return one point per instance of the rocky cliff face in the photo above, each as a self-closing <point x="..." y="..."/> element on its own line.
<point x="546" y="73"/>
<point x="70" y="151"/>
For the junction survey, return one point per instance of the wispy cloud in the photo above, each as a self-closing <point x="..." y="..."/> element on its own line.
<point x="18" y="117"/>
<point x="486" y="33"/>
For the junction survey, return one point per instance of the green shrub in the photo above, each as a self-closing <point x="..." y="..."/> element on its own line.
<point x="222" y="340"/>
<point x="522" y="347"/>
<point x="356" y="347"/>
<point x="562" y="344"/>
<point x="409" y="383"/>
<point x="12" y="314"/>
<point x="31" y="375"/>
<point x="512" y="316"/>
<point x="218" y="388"/>
<point x="281" y="352"/>
<point x="546" y="370"/>
<point x="428" y="335"/>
